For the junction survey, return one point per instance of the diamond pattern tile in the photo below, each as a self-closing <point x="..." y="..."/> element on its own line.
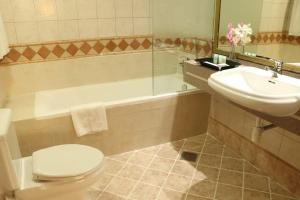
<point x="78" y="48"/>
<point x="174" y="179"/>
<point x="28" y="53"/>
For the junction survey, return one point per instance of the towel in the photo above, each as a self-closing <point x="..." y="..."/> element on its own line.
<point x="4" y="49"/>
<point x="89" y="119"/>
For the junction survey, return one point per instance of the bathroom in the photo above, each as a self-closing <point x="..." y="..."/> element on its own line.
<point x="159" y="124"/>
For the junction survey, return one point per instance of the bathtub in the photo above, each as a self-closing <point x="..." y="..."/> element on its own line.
<point x="136" y="117"/>
<point x="57" y="103"/>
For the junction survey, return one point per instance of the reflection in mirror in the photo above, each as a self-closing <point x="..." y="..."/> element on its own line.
<point x="275" y="25"/>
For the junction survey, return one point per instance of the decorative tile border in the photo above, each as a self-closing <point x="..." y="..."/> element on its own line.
<point x="270" y="164"/>
<point x="189" y="45"/>
<point x="269" y="38"/>
<point x="73" y="49"/>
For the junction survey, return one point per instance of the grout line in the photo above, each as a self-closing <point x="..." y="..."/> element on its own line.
<point x="169" y="172"/>
<point x="243" y="183"/>
<point x="269" y="186"/>
<point x="196" y="167"/>
<point x="220" y="168"/>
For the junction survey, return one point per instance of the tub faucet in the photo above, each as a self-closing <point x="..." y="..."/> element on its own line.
<point x="276" y="68"/>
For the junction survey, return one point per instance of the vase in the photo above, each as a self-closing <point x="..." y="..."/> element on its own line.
<point x="232" y="54"/>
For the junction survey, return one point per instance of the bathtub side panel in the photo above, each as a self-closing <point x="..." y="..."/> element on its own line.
<point x="131" y="127"/>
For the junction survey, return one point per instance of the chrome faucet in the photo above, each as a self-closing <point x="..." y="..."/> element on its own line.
<point x="276" y="68"/>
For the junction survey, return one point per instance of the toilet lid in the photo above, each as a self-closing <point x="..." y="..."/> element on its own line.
<point x="65" y="161"/>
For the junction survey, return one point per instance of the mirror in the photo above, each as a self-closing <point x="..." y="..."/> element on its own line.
<point x="275" y="29"/>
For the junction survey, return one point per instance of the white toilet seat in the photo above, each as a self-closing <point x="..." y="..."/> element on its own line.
<point x="64" y="162"/>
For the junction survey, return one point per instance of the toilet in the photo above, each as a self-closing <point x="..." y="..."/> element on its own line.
<point x="63" y="172"/>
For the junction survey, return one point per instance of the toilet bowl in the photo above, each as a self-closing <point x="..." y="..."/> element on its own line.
<point x="63" y="172"/>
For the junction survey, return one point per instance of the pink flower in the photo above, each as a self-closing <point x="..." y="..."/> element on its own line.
<point x="230" y="33"/>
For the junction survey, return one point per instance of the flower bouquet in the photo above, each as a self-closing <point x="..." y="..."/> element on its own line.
<point x="239" y="35"/>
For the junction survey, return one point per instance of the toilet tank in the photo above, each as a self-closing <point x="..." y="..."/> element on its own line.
<point x="9" y="150"/>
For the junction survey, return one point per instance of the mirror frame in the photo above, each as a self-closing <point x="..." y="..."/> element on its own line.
<point x="261" y="61"/>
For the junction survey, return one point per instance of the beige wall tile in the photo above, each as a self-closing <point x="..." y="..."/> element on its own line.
<point x="45" y="9"/>
<point x="11" y="32"/>
<point x="48" y="30"/>
<point x="88" y="28"/>
<point x="68" y="29"/>
<point x="141" y="8"/>
<point x="124" y="26"/>
<point x="106" y="9"/>
<point x="67" y="9"/>
<point x="87" y="9"/>
<point x="141" y="26"/>
<point x="107" y="27"/>
<point x="6" y="9"/>
<point x="123" y="8"/>
<point x="23" y="10"/>
<point x="27" y="32"/>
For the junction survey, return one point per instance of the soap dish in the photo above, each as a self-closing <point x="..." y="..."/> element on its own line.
<point x="208" y="62"/>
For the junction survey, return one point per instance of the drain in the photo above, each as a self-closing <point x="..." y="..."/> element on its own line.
<point x="189" y="156"/>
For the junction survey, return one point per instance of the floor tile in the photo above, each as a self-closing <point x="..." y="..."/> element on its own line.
<point x="154" y="177"/>
<point x="162" y="164"/>
<point x="178" y="182"/>
<point x="256" y="182"/>
<point x="144" y="192"/>
<point x="183" y="168"/>
<point x="109" y="196"/>
<point x="216" y="149"/>
<point x="193" y="197"/>
<point x="112" y="166"/>
<point x="166" y="194"/>
<point x="232" y="164"/>
<point x="249" y="168"/>
<point x="150" y="150"/>
<point x="209" y="173"/>
<point x="231" y="177"/>
<point x="103" y="181"/>
<point x="132" y="171"/>
<point x="122" y="157"/>
<point x="203" y="188"/>
<point x="255" y="195"/>
<point x="141" y="159"/>
<point x="227" y="192"/>
<point x="280" y="197"/>
<point x="199" y="138"/>
<point x="230" y="153"/>
<point x="120" y="186"/>
<point x="168" y="152"/>
<point x="193" y="146"/>
<point x="210" y="160"/>
<point x="278" y="189"/>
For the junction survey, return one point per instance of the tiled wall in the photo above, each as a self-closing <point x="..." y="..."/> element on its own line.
<point x="28" y="78"/>
<point x="37" y="21"/>
<point x="279" y="142"/>
<point x="274" y="16"/>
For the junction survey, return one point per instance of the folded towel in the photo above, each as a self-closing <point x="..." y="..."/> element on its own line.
<point x="89" y="119"/>
<point x="4" y="49"/>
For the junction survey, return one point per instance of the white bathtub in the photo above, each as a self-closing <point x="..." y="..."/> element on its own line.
<point x="56" y="103"/>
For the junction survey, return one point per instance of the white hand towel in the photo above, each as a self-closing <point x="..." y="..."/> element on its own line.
<point x="4" y="48"/>
<point x="89" y="119"/>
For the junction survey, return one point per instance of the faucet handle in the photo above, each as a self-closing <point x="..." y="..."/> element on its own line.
<point x="277" y="65"/>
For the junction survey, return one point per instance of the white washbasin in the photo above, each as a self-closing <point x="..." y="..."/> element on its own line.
<point x="256" y="89"/>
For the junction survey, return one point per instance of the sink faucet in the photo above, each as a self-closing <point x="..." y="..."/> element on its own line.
<point x="276" y="68"/>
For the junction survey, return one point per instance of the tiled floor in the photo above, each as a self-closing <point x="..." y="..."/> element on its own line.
<point x="159" y="173"/>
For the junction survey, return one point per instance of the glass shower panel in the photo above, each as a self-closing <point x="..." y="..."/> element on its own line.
<point x="182" y="30"/>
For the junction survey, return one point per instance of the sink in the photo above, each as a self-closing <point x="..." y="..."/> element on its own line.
<point x="256" y="89"/>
